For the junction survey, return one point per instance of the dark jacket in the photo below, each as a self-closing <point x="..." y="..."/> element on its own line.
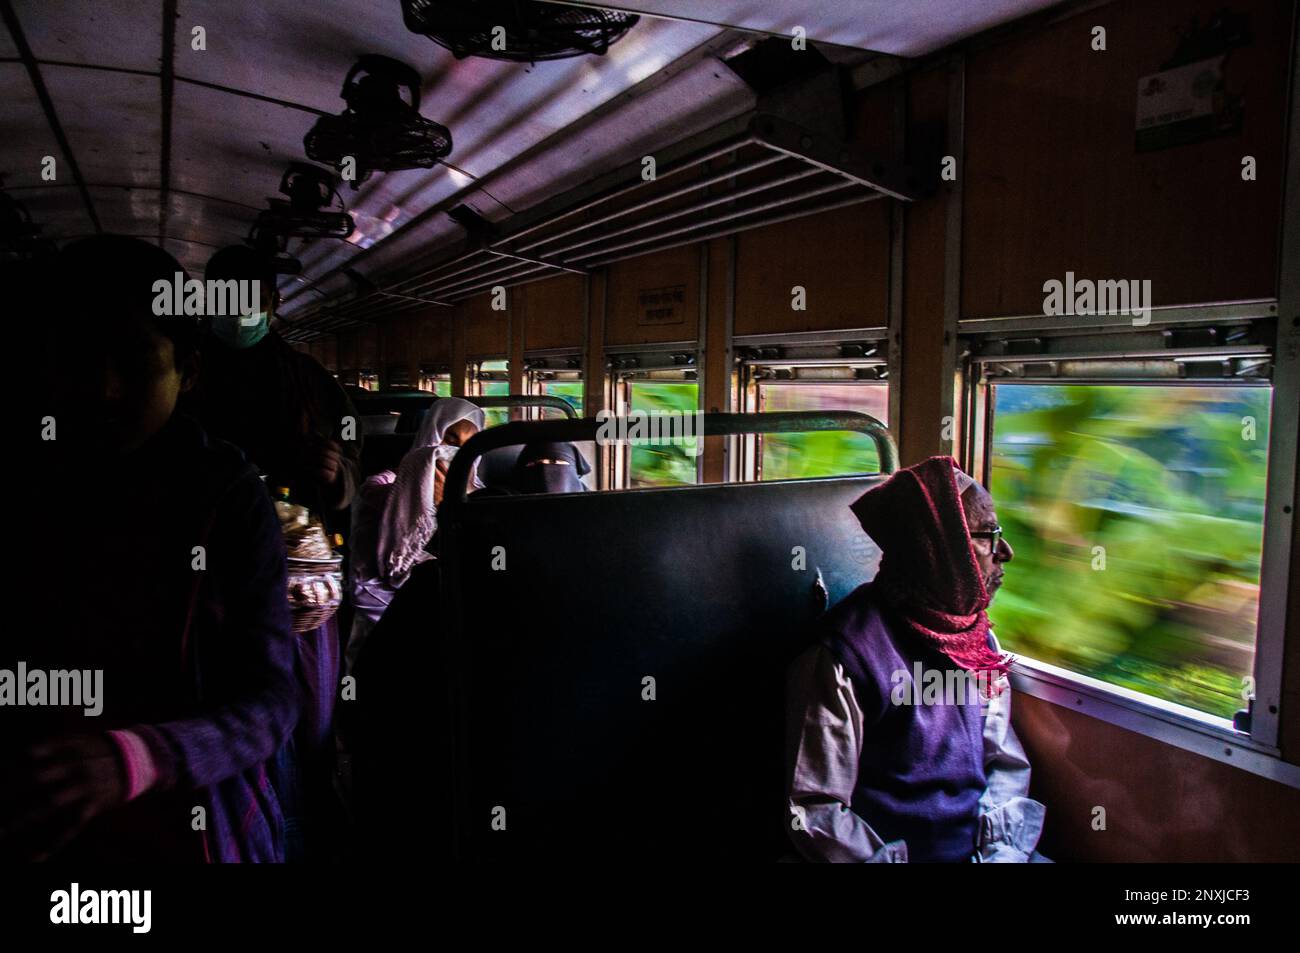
<point x="197" y="661"/>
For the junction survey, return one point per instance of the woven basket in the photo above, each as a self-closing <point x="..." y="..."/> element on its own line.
<point x="315" y="592"/>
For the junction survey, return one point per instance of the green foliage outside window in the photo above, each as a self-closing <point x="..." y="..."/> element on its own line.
<point x="1136" y="516"/>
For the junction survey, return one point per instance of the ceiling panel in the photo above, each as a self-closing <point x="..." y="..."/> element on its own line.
<point x="241" y="157"/>
<point x="909" y="28"/>
<point x="59" y="210"/>
<point x="8" y="48"/>
<point x="112" y="123"/>
<point x="202" y="219"/>
<point x="296" y="51"/>
<point x="123" y="33"/>
<point x="24" y="132"/>
<point x="126" y="211"/>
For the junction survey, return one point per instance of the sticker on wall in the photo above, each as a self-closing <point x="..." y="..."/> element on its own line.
<point x="661" y="305"/>
<point x="1191" y="98"/>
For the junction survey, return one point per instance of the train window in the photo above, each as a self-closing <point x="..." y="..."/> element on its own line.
<point x="1135" y="506"/>
<point x="665" y="382"/>
<point x="663" y="464"/>
<point x="557" y="375"/>
<point x="435" y="380"/>
<point x="492" y="379"/>
<point x="812" y="376"/>
<point x="368" y="379"/>
<point x="570" y="390"/>
<point x="801" y="455"/>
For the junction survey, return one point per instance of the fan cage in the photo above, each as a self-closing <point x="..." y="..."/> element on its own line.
<point x="535" y="32"/>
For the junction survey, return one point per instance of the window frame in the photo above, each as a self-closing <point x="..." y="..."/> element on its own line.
<point x="1256" y="750"/>
<point x="552" y="366"/>
<point x="813" y="356"/>
<point x="668" y="363"/>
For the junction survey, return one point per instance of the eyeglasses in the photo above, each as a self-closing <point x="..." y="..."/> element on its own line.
<point x="994" y="536"/>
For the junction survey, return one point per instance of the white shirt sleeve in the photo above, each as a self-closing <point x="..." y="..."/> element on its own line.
<point x="1010" y="821"/>
<point x="824" y="729"/>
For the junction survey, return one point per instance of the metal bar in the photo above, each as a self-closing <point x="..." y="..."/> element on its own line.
<point x="538" y="261"/>
<point x="510" y="282"/>
<point x="719" y="219"/>
<point x="1277" y="573"/>
<point x="731" y="145"/>
<point x="431" y="278"/>
<point x="167" y="82"/>
<point x="1208" y="353"/>
<point x="952" y="255"/>
<point x="656" y="200"/>
<point x="488" y="278"/>
<point x="693" y="208"/>
<point x="47" y="105"/>
<point x="1245" y="310"/>
<point x="734" y="229"/>
<point x="715" y="425"/>
<point x="526" y="400"/>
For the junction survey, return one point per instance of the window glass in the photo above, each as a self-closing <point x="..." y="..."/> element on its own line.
<point x="495" y="415"/>
<point x="663" y="464"/>
<point x="801" y="455"/>
<point x="568" y="390"/>
<point x="1136" y="515"/>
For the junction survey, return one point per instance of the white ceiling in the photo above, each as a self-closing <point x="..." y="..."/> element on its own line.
<point x="240" y="108"/>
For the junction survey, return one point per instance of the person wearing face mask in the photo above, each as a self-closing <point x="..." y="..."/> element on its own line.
<point x="297" y="426"/>
<point x="287" y="413"/>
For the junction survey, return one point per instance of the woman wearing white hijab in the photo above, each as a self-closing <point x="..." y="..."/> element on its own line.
<point x="395" y="514"/>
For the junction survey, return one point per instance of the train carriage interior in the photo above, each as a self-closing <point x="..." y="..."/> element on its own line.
<point x="605" y="363"/>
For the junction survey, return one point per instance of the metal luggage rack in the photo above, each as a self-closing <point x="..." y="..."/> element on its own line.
<point x="757" y="170"/>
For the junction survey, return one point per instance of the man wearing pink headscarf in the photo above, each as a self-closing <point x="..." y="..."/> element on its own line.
<point x="900" y="730"/>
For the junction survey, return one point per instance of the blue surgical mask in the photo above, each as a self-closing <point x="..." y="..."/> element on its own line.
<point x="240" y="331"/>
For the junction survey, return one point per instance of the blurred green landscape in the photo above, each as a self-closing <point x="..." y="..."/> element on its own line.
<point x="796" y="456"/>
<point x="663" y="464"/>
<point x="1166" y="480"/>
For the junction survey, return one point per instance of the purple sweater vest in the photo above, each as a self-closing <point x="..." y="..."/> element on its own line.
<point x="922" y="768"/>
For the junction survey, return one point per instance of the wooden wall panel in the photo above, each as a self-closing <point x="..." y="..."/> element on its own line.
<point x="1053" y="182"/>
<point x="368" y="347"/>
<point x="1162" y="803"/>
<point x="553" y="312"/>
<point x="347" y="350"/>
<point x="923" y="363"/>
<point x="432" y="342"/>
<point x="718" y="384"/>
<point x="677" y="268"/>
<point x="487" y="332"/>
<point x="841" y="259"/>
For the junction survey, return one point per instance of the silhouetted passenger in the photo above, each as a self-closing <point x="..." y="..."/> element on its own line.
<point x="159" y="572"/>
<point x="401" y="681"/>
<point x="298" y="427"/>
<point x="549" y="468"/>
<point x="396" y="514"/>
<point x="901" y="738"/>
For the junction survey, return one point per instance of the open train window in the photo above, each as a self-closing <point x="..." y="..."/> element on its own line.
<point x="491" y="378"/>
<point x="556" y="375"/>
<point x="435" y="380"/>
<point x="1131" y="486"/>
<point x="658" y="382"/>
<point x="833" y="376"/>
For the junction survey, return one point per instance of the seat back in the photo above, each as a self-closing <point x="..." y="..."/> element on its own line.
<point x="618" y="659"/>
